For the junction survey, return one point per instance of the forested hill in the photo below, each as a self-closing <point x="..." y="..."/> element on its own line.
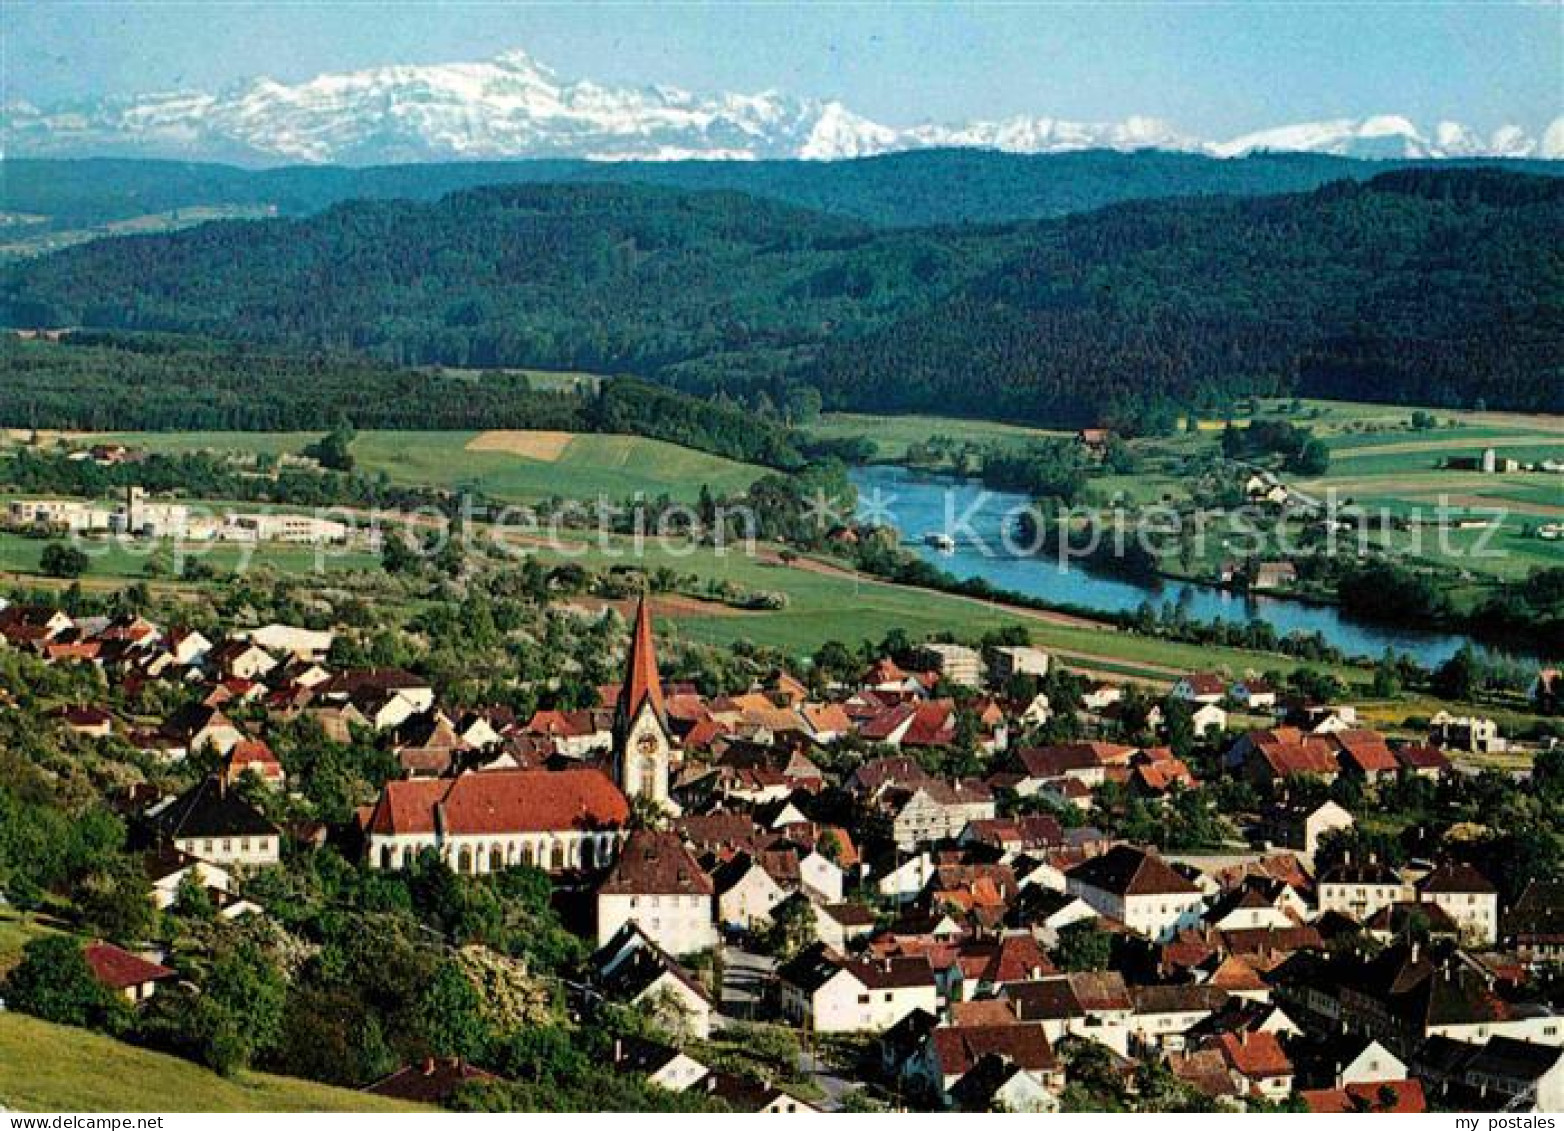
<point x="901" y="189"/>
<point x="1424" y="287"/>
<point x="1442" y="286"/>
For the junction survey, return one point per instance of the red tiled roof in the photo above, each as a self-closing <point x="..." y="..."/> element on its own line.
<point x="987" y="1012"/>
<point x="882" y="671"/>
<point x="933" y="724"/>
<point x="252" y="753"/>
<point x="1128" y="871"/>
<point x="1205" y="683"/>
<point x="119" y="969"/>
<point x="957" y="1049"/>
<point x="1255" y="1055"/>
<point x="1311" y="756"/>
<point x="501" y="801"/>
<point x="1382" y="1097"/>
<point x="1015" y="958"/>
<point x="1367" y="751"/>
<point x="1422" y="757"/>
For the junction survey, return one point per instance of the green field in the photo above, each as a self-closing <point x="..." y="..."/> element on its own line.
<point x="1398" y="470"/>
<point x="893" y="434"/>
<point x="46" y="1067"/>
<point x="128" y="560"/>
<point x="1380" y="463"/>
<point x="825" y="604"/>
<point x="538" y="466"/>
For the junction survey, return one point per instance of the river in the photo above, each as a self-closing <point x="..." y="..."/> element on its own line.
<point x="916" y="503"/>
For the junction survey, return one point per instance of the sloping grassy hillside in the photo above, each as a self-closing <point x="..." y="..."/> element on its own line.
<point x="47" y="1067"/>
<point x="584" y="466"/>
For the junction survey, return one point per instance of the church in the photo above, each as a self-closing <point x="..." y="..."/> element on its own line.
<point x="643" y="744"/>
<point x="558" y="820"/>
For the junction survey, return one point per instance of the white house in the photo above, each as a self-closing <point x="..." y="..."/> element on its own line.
<point x="213" y="823"/>
<point x="1464" y="894"/>
<point x="1011" y="660"/>
<point x="1139" y="890"/>
<point x="632" y="969"/>
<point x="1361" y="888"/>
<point x="169" y="869"/>
<point x="1208" y="718"/>
<point x="658" y="885"/>
<point x="1200" y="687"/>
<point x="662" y="1065"/>
<point x="747" y="893"/>
<point x="828" y="993"/>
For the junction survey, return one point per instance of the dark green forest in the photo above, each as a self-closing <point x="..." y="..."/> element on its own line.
<point x="1422" y="286"/>
<point x="108" y="381"/>
<point x="902" y="189"/>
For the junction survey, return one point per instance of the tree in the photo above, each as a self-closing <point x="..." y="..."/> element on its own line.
<point x="397" y="554"/>
<point x="114" y="900"/>
<point x="334" y="450"/>
<point x="1083" y="946"/>
<point x="792" y="929"/>
<point x="54" y="982"/>
<point x="449" y="1014"/>
<point x="1457" y="677"/>
<point x="235" y="1017"/>
<point x="62" y="560"/>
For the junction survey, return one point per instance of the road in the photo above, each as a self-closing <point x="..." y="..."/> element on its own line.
<point x="745" y="976"/>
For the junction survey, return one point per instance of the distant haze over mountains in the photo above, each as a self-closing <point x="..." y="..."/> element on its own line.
<point x="511" y="107"/>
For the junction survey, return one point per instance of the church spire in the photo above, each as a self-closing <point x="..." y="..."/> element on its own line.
<point x="642" y="684"/>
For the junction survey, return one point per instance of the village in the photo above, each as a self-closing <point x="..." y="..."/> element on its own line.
<point x="961" y="878"/>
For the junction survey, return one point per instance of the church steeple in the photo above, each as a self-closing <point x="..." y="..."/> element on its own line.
<point x="643" y="744"/>
<point x="642" y="683"/>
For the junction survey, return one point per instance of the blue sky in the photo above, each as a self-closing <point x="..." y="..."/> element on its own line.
<point x="1212" y="68"/>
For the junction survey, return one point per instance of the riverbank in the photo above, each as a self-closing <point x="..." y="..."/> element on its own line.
<point x="915" y="502"/>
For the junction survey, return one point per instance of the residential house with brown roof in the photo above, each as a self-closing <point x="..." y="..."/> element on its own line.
<point x="433" y="1080"/>
<point x="1467" y="897"/>
<point x="950" y="1053"/>
<point x="1165" y="1013"/>
<point x="1259" y="1060"/>
<point x="1361" y="887"/>
<point x="658" y="884"/>
<point x="213" y="823"/>
<point x="1200" y="687"/>
<point x="937" y="810"/>
<point x="1301" y="827"/>
<point x="1138" y="889"/>
<point x="1090" y="1004"/>
<point x="255" y="758"/>
<point x="828" y="993"/>
<point x="128" y="975"/>
<point x="1535" y="925"/>
<point x="630" y="968"/>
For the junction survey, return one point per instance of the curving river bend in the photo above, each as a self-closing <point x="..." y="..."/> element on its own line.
<point x="916" y="502"/>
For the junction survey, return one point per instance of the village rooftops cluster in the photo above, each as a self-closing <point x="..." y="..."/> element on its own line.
<point x="938" y="914"/>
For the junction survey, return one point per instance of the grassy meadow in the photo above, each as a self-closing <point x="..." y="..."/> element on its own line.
<point x="893" y="434"/>
<point x="1379" y="462"/>
<point x="20" y="554"/>
<point x="825" y="603"/>
<point x="46" y="1067"/>
<point x="512" y="466"/>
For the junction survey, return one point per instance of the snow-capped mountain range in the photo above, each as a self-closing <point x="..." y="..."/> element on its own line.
<point x="511" y="107"/>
